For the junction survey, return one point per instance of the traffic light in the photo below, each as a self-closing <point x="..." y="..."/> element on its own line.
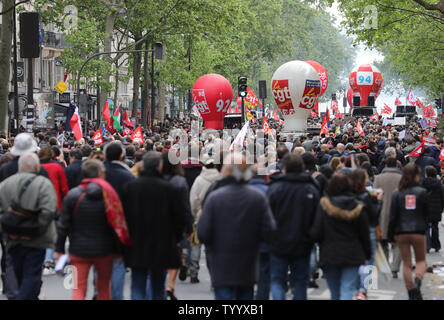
<point x="242" y="86"/>
<point x="438" y="103"/>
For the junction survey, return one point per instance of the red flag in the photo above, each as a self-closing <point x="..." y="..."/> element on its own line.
<point x="417" y="152"/>
<point x="411" y="98"/>
<point x="374" y="117"/>
<point x="97" y="137"/>
<point x="275" y="116"/>
<point x="76" y="126"/>
<point x="360" y="130"/>
<point x="334" y="105"/>
<point x="66" y="75"/>
<point x="266" y="126"/>
<point x="137" y="135"/>
<point x="428" y="112"/>
<point x="338" y="114"/>
<point x="324" y="127"/>
<point x="105" y="113"/>
<point x="419" y="103"/>
<point x="126" y="121"/>
<point x="313" y="114"/>
<point x="126" y="131"/>
<point x="441" y="155"/>
<point x="398" y="102"/>
<point x="386" y="110"/>
<point x="251" y="100"/>
<point x="260" y="104"/>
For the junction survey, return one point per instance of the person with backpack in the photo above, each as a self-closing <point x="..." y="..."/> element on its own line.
<point x="32" y="198"/>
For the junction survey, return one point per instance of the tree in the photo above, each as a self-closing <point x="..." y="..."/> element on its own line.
<point x="5" y="61"/>
<point x="408" y="32"/>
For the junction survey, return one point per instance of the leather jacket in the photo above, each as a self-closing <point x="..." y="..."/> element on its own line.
<point x="408" y="212"/>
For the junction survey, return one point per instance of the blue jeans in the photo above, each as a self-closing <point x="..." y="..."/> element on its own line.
<point x="27" y="264"/>
<point x="49" y="256"/>
<point x="233" y="293"/>
<point x="341" y="281"/>
<point x="139" y="284"/>
<point x="118" y="279"/>
<point x="371" y="262"/>
<point x="263" y="284"/>
<point x="432" y="235"/>
<point x="299" y="277"/>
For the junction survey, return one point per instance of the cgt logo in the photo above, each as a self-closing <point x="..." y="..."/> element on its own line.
<point x="311" y="94"/>
<point x="281" y="94"/>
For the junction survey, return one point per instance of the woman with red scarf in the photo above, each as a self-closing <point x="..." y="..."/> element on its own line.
<point x="94" y="221"/>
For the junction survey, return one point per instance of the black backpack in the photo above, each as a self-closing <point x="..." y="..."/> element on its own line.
<point x="19" y="223"/>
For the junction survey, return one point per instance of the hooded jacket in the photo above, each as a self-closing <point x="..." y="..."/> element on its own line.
<point x="293" y="200"/>
<point x="435" y="191"/>
<point x="342" y="231"/>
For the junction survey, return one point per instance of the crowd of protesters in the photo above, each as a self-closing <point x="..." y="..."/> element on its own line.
<point x="326" y="203"/>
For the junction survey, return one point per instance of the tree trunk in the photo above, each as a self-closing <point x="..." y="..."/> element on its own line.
<point x="146" y="79"/>
<point x="180" y="102"/>
<point x="5" y="62"/>
<point x="137" y="66"/>
<point x="162" y="95"/>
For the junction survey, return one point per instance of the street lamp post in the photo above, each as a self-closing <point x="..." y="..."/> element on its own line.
<point x="159" y="46"/>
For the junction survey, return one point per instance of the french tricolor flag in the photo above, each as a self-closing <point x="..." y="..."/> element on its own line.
<point x="76" y="125"/>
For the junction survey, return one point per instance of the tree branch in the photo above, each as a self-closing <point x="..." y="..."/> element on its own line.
<point x="431" y="6"/>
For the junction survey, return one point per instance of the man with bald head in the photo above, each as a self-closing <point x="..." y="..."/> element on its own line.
<point x="235" y="219"/>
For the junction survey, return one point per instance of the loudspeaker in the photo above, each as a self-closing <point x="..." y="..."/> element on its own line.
<point x="371" y="101"/>
<point x="410" y="109"/>
<point x="29" y="35"/>
<point x="400" y="109"/>
<point x="356" y="101"/>
<point x="262" y="89"/>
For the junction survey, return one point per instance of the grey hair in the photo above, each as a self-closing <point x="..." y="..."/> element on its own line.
<point x="29" y="162"/>
<point x="92" y="168"/>
<point x="390" y="151"/>
<point x="151" y="161"/>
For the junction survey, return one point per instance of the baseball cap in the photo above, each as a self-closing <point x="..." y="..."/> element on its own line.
<point x="24" y="143"/>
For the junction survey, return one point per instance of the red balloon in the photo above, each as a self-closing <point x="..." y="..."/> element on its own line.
<point x="350" y="97"/>
<point x="322" y="75"/>
<point x="212" y="95"/>
<point x="366" y="81"/>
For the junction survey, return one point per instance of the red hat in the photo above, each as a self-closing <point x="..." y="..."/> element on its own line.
<point x="442" y="164"/>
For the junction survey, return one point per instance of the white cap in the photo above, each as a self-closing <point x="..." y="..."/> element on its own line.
<point x="24" y="143"/>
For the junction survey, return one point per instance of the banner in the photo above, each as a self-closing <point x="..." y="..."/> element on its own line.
<point x="399" y="121"/>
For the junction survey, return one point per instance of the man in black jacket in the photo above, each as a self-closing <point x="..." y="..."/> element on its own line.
<point x="235" y="219"/>
<point x="118" y="174"/>
<point x="294" y="197"/>
<point x="74" y="170"/>
<point x="156" y="224"/>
